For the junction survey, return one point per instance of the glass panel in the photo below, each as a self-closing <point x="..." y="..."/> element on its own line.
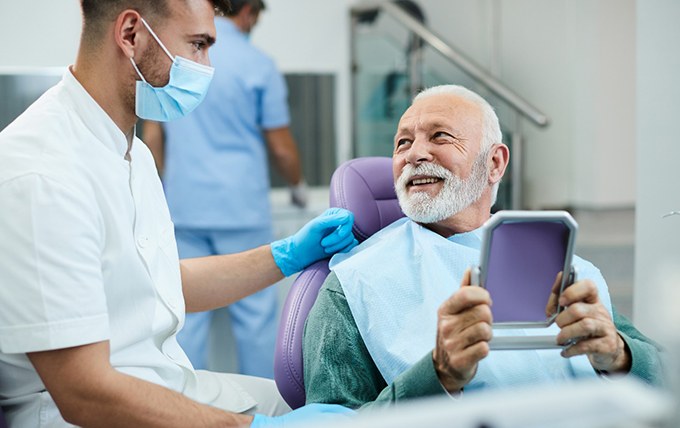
<point x="381" y="94"/>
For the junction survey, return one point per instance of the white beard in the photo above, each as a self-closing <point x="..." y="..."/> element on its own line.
<point x="454" y="197"/>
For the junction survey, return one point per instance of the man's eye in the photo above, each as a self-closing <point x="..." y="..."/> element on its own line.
<point x="200" y="45"/>
<point x="443" y="137"/>
<point x="401" y="145"/>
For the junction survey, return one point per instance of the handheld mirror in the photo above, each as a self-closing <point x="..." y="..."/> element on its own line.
<point x="521" y="256"/>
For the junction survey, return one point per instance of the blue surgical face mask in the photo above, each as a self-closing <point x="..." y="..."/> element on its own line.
<point x="185" y="90"/>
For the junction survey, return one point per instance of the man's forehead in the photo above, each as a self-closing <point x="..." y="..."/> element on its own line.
<point x="440" y="109"/>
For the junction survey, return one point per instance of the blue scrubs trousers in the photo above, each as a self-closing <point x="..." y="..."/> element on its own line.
<point x="253" y="319"/>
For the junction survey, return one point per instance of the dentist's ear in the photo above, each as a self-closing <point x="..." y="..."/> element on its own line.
<point x="499" y="156"/>
<point x="126" y="32"/>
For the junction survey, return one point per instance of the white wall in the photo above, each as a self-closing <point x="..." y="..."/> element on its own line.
<point x="603" y="120"/>
<point x="657" y="251"/>
<point x="39" y="33"/>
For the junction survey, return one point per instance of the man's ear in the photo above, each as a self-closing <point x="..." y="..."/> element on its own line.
<point x="498" y="162"/>
<point x="126" y="32"/>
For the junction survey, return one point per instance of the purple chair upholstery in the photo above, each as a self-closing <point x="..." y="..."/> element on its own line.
<point x="365" y="187"/>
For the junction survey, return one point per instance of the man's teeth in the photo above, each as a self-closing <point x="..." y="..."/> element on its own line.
<point x="424" y="181"/>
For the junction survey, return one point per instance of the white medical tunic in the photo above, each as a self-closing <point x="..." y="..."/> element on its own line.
<point x="87" y="254"/>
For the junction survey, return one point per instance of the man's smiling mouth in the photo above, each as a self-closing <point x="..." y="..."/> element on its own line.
<point x="424" y="180"/>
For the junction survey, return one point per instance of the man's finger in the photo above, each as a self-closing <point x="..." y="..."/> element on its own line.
<point x="580" y="291"/>
<point x="467" y="278"/>
<point x="591" y="317"/>
<point x="465" y="298"/>
<point x="551" y="306"/>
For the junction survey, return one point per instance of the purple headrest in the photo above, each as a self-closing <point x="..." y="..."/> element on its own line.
<point x="365" y="187"/>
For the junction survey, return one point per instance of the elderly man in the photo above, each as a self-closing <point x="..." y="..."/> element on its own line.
<point x="391" y="322"/>
<point x="93" y="292"/>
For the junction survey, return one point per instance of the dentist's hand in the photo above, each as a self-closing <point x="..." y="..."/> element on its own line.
<point x="320" y="413"/>
<point x="325" y="235"/>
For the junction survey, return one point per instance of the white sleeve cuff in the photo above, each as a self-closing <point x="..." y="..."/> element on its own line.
<point x="55" y="335"/>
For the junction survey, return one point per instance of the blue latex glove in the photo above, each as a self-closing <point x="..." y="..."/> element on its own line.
<point x="310" y="413"/>
<point x="325" y="235"/>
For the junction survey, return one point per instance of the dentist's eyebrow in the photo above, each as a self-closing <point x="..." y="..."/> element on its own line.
<point x="209" y="40"/>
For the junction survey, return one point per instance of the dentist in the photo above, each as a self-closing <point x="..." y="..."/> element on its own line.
<point x="92" y="288"/>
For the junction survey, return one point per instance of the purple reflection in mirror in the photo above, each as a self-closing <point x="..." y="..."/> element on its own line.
<point x="524" y="260"/>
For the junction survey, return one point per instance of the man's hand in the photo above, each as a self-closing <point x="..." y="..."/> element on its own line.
<point x="463" y="333"/>
<point x="587" y="324"/>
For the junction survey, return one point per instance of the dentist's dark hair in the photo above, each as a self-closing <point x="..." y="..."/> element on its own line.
<point x="97" y="14"/>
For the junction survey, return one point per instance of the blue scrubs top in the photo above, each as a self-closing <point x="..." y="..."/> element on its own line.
<point x="216" y="172"/>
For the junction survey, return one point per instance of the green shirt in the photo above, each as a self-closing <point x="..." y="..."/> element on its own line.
<point x="339" y="369"/>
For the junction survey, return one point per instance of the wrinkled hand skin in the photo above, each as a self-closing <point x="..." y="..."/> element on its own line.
<point x="586" y="328"/>
<point x="463" y="334"/>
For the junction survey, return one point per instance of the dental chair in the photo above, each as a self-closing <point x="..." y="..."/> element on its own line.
<point x="365" y="187"/>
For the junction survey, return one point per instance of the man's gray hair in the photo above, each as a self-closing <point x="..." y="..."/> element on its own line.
<point x="491" y="128"/>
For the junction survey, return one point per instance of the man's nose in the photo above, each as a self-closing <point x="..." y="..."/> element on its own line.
<point x="419" y="152"/>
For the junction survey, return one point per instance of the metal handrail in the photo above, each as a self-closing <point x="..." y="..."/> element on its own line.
<point x="467" y="65"/>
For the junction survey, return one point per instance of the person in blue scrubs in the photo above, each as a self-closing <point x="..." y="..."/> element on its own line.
<point x="216" y="179"/>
